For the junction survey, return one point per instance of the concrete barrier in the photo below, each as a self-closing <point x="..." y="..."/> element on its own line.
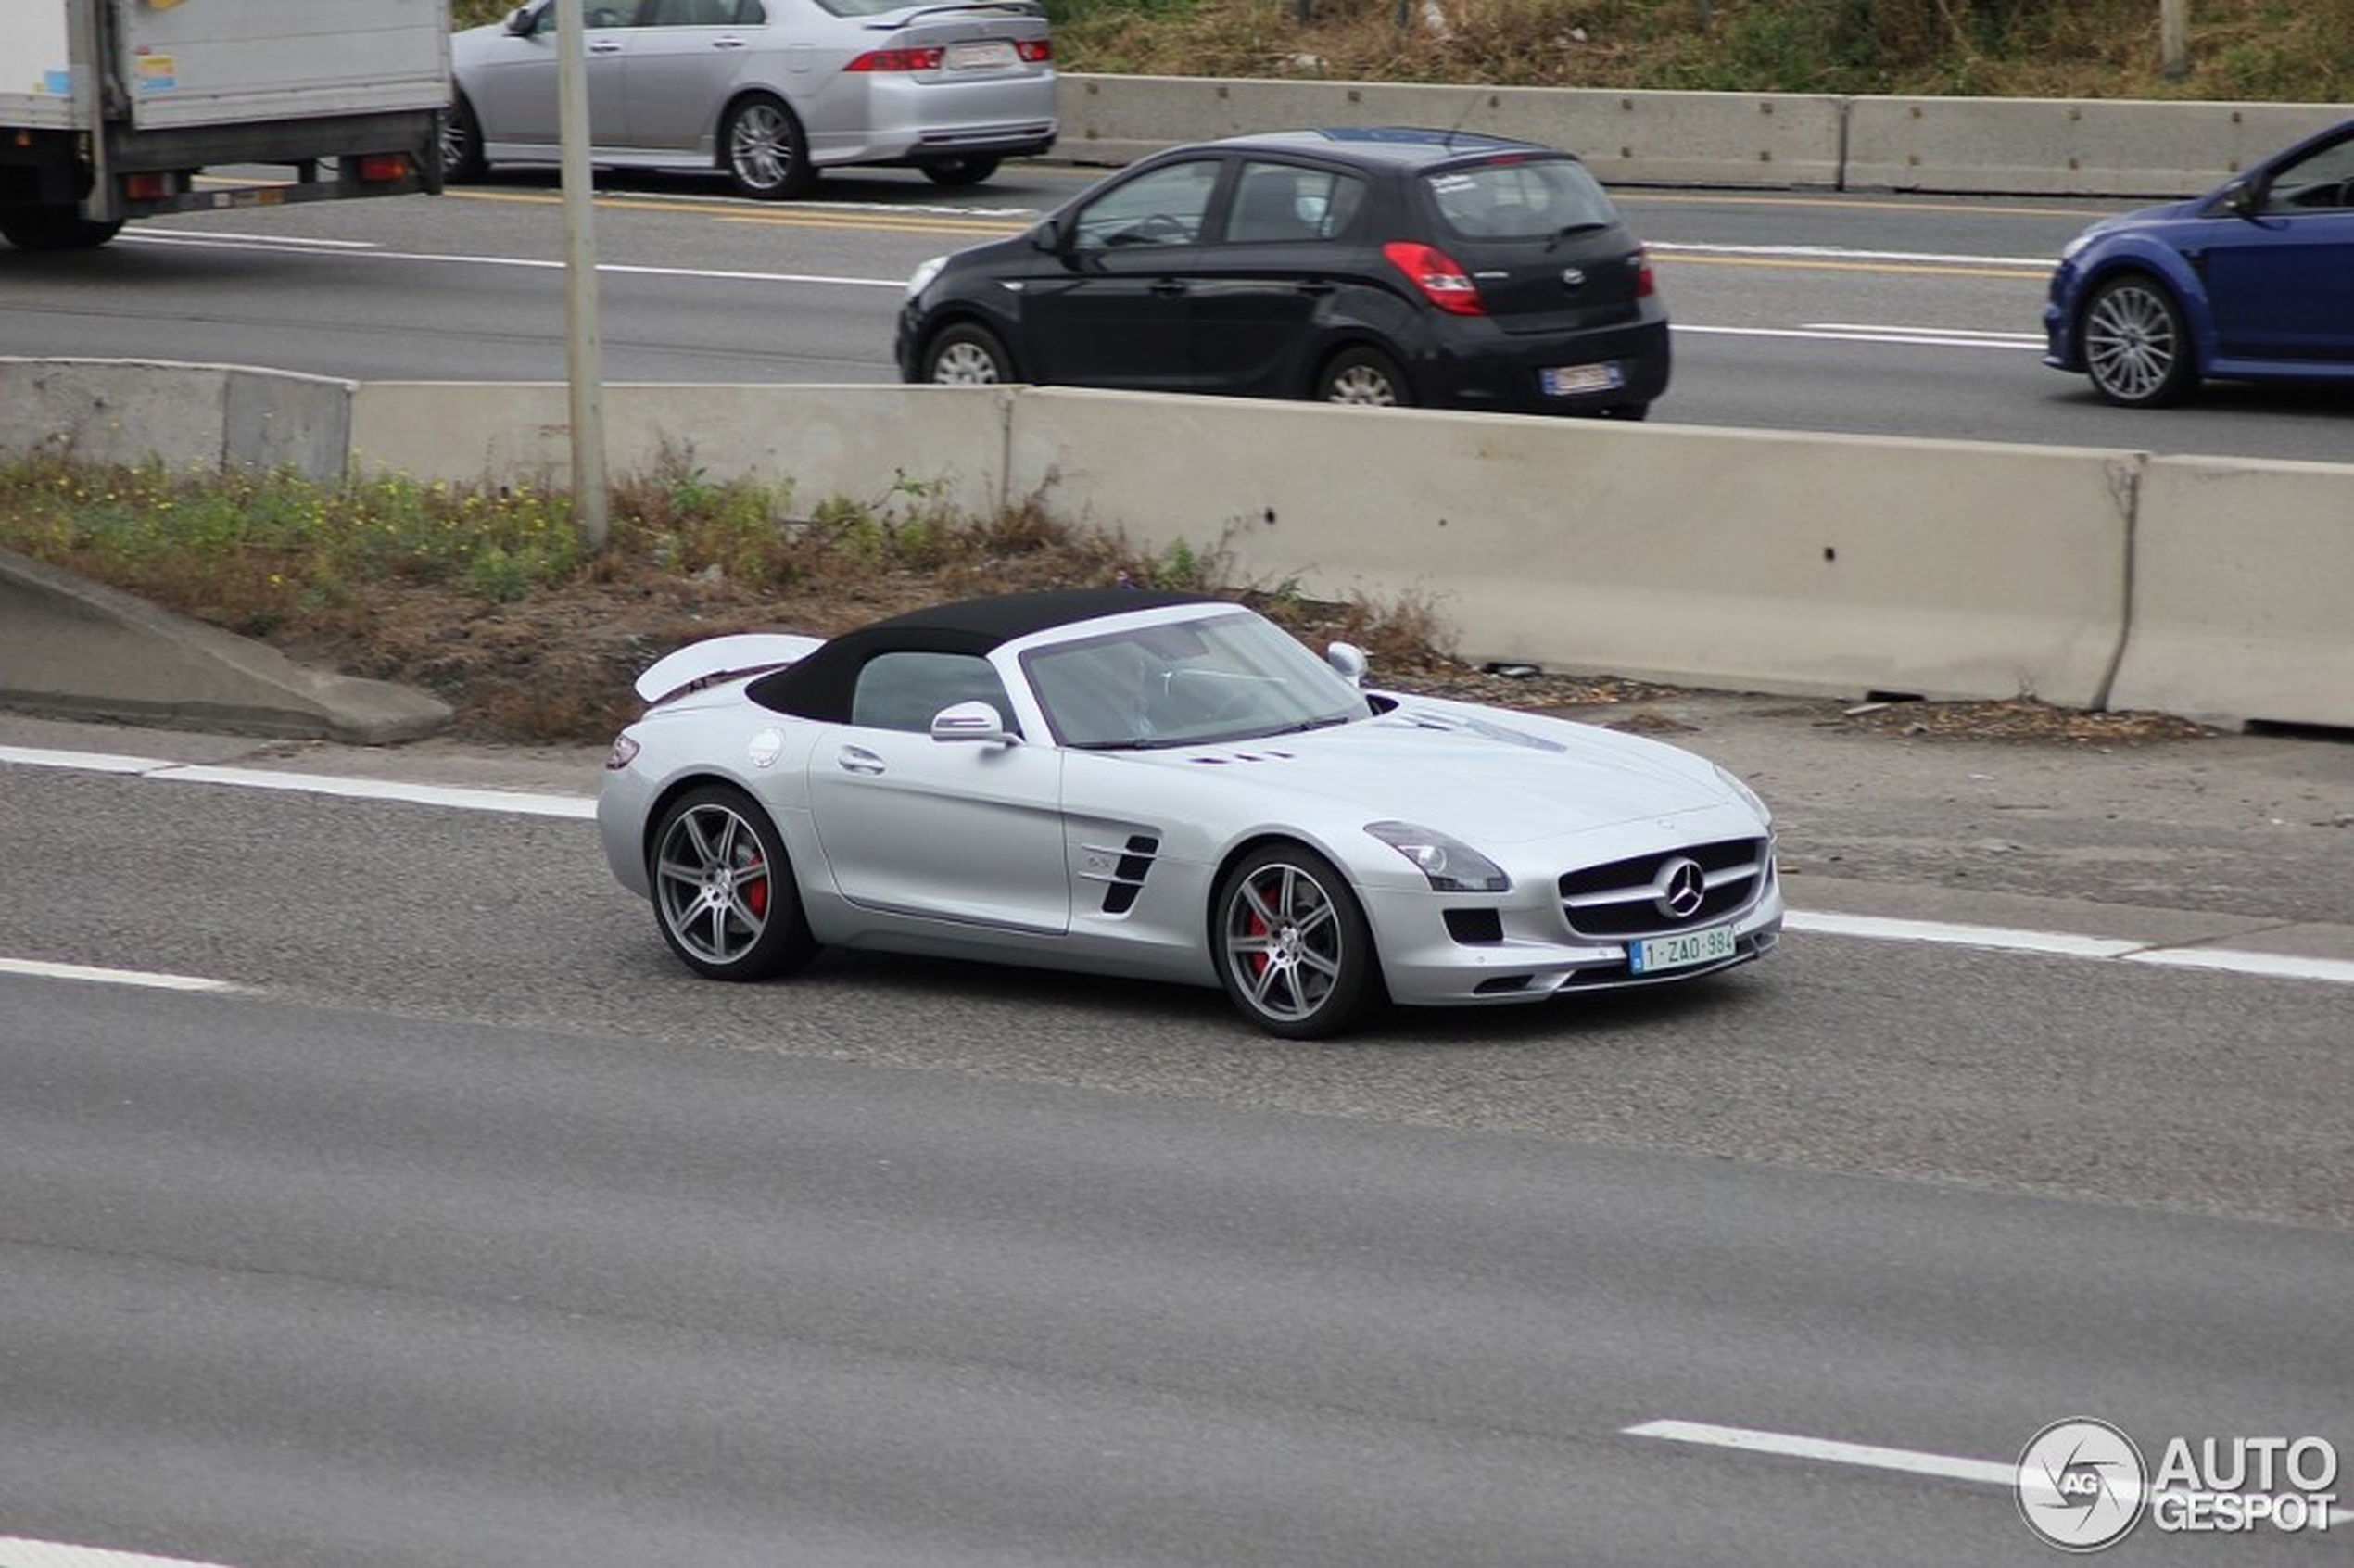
<point x="861" y="442"/>
<point x="2061" y="147"/>
<point x="1822" y="565"/>
<point x="131" y="411"/>
<point x="2243" y="593"/>
<point x="1764" y="140"/>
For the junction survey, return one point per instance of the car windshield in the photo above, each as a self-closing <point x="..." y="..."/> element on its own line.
<point x="1226" y="677"/>
<point x="1521" y="199"/>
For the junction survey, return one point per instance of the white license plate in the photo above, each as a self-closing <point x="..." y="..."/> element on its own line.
<point x="980" y="57"/>
<point x="1563" y="381"/>
<point x="1681" y="951"/>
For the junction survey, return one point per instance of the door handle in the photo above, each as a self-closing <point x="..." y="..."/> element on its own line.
<point x="857" y="759"/>
<point x="1168" y="287"/>
<point x="727" y="43"/>
<point x="604" y="48"/>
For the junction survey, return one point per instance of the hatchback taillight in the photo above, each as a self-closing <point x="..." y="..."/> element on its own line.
<point x="1442" y="281"/>
<point x="1645" y="285"/>
<point x="899" y="59"/>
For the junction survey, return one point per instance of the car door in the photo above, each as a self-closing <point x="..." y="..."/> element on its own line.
<point x="1108" y="307"/>
<point x="514" y="89"/>
<point x="2280" y="280"/>
<point x="958" y="830"/>
<point x="1273" y="271"/>
<point x="682" y="66"/>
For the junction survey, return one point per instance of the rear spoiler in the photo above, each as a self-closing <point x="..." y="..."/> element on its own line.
<point x="716" y="659"/>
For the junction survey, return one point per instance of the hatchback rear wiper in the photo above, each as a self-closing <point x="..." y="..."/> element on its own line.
<point x="1592" y="225"/>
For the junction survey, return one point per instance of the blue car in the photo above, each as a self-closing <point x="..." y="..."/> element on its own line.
<point x="2252" y="282"/>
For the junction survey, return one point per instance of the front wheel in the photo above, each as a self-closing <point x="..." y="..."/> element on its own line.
<point x="1293" y="949"/>
<point x="462" y="159"/>
<point x="1363" y="375"/>
<point x="2137" y="347"/>
<point x="724" y="890"/>
<point x="55" y="228"/>
<point x="965" y="355"/>
<point x="953" y="171"/>
<point x="763" y="151"/>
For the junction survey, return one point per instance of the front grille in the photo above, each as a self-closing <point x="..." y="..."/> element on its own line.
<point x="1670" y="890"/>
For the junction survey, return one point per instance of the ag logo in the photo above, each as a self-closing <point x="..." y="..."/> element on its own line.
<point x="2081" y="1484"/>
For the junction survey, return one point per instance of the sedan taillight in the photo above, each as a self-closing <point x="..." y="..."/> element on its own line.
<point x="1442" y="281"/>
<point x="899" y="59"/>
<point x="1037" y="51"/>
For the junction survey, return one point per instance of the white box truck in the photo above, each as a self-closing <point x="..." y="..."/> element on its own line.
<point x="115" y="109"/>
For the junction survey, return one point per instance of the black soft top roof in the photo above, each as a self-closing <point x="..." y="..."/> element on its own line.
<point x="820" y="686"/>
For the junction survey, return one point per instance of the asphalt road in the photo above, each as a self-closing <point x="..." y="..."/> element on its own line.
<point x="1849" y="313"/>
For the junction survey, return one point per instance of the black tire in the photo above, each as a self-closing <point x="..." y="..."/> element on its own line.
<point x="960" y="171"/>
<point x="1365" y="376"/>
<point x="965" y="355"/>
<point x="763" y="152"/>
<point x="55" y="228"/>
<point x="1291" y="943"/>
<point x="462" y="159"/>
<point x="723" y="893"/>
<point x="2137" y="346"/>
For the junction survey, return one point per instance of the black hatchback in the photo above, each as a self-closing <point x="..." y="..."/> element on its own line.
<point x="1378" y="265"/>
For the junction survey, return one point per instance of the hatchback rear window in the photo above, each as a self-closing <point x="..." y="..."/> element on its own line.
<point x="1521" y="199"/>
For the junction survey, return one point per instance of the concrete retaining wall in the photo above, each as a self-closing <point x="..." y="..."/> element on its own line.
<point x="129" y="411"/>
<point x="2243" y="593"/>
<point x="2058" y="147"/>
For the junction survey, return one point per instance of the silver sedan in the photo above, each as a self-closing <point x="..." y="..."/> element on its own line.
<point x="767" y="92"/>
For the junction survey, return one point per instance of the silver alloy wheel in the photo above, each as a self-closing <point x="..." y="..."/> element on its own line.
<point x="764" y="150"/>
<point x="965" y="362"/>
<point x="1361" y="383"/>
<point x="1284" y="942"/>
<point x="2134" y="348"/>
<point x="712" y="883"/>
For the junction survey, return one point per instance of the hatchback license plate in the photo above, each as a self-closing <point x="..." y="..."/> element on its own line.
<point x="1681" y="951"/>
<point x="980" y="57"/>
<point x="1563" y="381"/>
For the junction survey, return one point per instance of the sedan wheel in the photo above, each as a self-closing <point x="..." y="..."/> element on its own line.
<point x="1294" y="951"/>
<point x="768" y="158"/>
<point x="724" y="891"/>
<point x="462" y="159"/>
<point x="968" y="356"/>
<point x="956" y="172"/>
<point x="2136" y="346"/>
<point x="1363" y="375"/>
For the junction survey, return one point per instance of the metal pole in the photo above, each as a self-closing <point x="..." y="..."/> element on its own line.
<point x="2174" y="38"/>
<point x="591" y="500"/>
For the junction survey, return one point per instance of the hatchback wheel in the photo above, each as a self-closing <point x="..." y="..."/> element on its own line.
<point x="965" y="355"/>
<point x="960" y="171"/>
<point x="723" y="892"/>
<point x="1363" y="375"/>
<point x="2137" y="347"/>
<point x="1294" y="951"/>
<point x="766" y="156"/>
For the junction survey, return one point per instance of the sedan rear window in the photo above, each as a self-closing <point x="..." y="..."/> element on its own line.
<point x="1521" y="199"/>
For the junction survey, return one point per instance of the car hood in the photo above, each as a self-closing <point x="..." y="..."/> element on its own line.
<point x="1487" y="776"/>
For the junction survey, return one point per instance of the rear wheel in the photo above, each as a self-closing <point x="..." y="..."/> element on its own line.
<point x="2137" y="347"/>
<point x="965" y="355"/>
<point x="1363" y="375"/>
<point x="462" y="159"/>
<point x="724" y="891"/>
<point x="763" y="151"/>
<point x="1293" y="948"/>
<point x="55" y="228"/>
<point x="960" y="171"/>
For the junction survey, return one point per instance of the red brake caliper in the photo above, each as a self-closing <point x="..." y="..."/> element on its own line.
<point x="756" y="893"/>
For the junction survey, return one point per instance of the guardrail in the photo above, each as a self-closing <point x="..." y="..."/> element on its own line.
<point x="1747" y="559"/>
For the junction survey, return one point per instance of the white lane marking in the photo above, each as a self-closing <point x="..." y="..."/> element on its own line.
<point x="151" y="980"/>
<point x="536" y="264"/>
<point x="1923" y="337"/>
<point x="1785" y="1445"/>
<point x="18" y="1552"/>
<point x="1748" y="1440"/>
<point x="1841" y="253"/>
<point x="1869" y="928"/>
<point x="515" y="802"/>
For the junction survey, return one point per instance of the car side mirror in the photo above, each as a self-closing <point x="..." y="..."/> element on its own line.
<point x="2244" y="197"/>
<point x="1349" y="659"/>
<point x="1050" y="237"/>
<point x="972" y="721"/>
<point x="519" y="22"/>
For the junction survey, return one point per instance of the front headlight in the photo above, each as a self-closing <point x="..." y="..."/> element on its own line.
<point x="1755" y="803"/>
<point x="1450" y="864"/>
<point x="923" y="274"/>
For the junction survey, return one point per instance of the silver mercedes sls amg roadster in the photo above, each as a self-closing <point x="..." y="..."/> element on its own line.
<point x="1168" y="787"/>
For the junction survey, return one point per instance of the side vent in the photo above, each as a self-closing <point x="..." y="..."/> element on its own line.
<point x="1127" y="877"/>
